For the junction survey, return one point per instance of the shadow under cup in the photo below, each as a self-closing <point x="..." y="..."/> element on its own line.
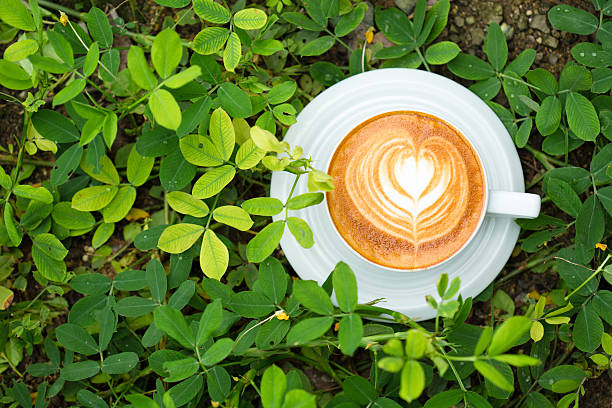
<point x="411" y="191"/>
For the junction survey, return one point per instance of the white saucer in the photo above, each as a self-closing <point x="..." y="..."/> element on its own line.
<point x="332" y="115"/>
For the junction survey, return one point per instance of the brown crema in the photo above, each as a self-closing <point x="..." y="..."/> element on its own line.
<point x="410" y="190"/>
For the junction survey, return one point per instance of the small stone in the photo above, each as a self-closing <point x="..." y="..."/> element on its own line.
<point x="539" y="56"/>
<point x="551" y="41"/>
<point x="553" y="59"/>
<point x="478" y="36"/>
<point x="454" y="38"/>
<point x="459" y="21"/>
<point x="528" y="12"/>
<point x="539" y="40"/>
<point x="405" y="5"/>
<point x="522" y="23"/>
<point x="538" y="22"/>
<point x="508" y="30"/>
<point x="470" y="20"/>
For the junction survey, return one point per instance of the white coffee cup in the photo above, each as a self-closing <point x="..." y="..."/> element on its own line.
<point x="497" y="203"/>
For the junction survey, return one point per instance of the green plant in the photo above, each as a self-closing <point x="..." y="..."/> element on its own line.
<point x="164" y="152"/>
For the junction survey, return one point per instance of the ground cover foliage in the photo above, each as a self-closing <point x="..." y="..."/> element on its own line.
<point x="164" y="143"/>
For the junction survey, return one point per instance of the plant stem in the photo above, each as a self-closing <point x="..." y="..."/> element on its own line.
<point x="594" y="274"/>
<point x="418" y="50"/>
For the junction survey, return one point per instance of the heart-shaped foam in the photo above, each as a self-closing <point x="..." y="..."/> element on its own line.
<point x="404" y="184"/>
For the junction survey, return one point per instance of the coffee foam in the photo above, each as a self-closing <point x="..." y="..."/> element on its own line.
<point x="409" y="190"/>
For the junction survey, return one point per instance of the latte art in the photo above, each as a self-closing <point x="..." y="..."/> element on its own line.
<point x="409" y="190"/>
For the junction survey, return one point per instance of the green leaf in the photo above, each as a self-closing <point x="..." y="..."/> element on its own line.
<point x="138" y="167"/>
<point x="184" y="77"/>
<point x="416" y="344"/>
<point x="508" y="334"/>
<point x="13" y="76"/>
<point x="548" y="117"/>
<point x="600" y="163"/>
<point x="266" y="206"/>
<point x="309" y="329"/>
<point x="185" y="203"/>
<point x="172" y="322"/>
<point x="313" y="297"/>
<point x="90" y="283"/>
<point x="265" y="140"/>
<point x="90" y="400"/>
<point x="210" y="40"/>
<point x="120" y="205"/>
<point x="210" y="321"/>
<point x="49" y="246"/>
<point x="233" y="216"/>
<point x="119" y="363"/>
<point x="250" y="19"/>
<point x="518" y="360"/>
<point x="156" y="280"/>
<point x="214" y="256"/>
<point x="300" y="20"/>
<point x="395" y="25"/>
<point x="493" y="375"/>
<point x="139" y="69"/>
<point x="606" y="343"/>
<point x="266" y="46"/>
<point x="543" y="80"/>
<point x="181" y="369"/>
<point x="99" y="27"/>
<point x="297" y="398"/>
<point x="249" y="155"/>
<point x="326" y="73"/>
<point x="79" y="371"/>
<point x="564" y="197"/>
<point x="15" y="14"/>
<point x="496" y="47"/>
<point x="213" y="181"/>
<point x="210" y="11"/>
<point x="165" y="109"/>
<point x="135" y="306"/>
<point x="412" y="381"/>
<point x="201" y="151"/>
<point x="107" y="174"/>
<point x="605" y="197"/>
<point x="234" y="100"/>
<point x="301" y="231"/>
<point x="187" y="390"/>
<point x="73" y="337"/>
<point x="166" y="53"/>
<point x="317" y="46"/>
<point x="273" y="387"/>
<point x="67" y="217"/>
<point x="222" y="133"/>
<point x="55" y="126"/>
<point x="272" y="280"/>
<point x="590" y="223"/>
<point x="11" y="227"/>
<point x="591" y="55"/>
<point x="581" y="116"/>
<point x="442" y="52"/>
<point x="34" y="193"/>
<point x="602" y="80"/>
<point x="232" y="52"/>
<point x="359" y="390"/>
<point x="282" y="92"/>
<point x="72" y="90"/>
<point x="264" y="243"/>
<point x="575" y="78"/>
<point x="218" y="351"/>
<point x="179" y="237"/>
<point x="572" y="20"/>
<point x="522" y="135"/>
<point x="350" y="20"/>
<point x="91" y="60"/>
<point x="445" y="399"/>
<point x="588" y="329"/>
<point x="20" y="50"/>
<point x="470" y="67"/>
<point x="93" y="198"/>
<point x="515" y="90"/>
<point x="345" y="287"/>
<point x="559" y="376"/>
<point x="251" y="304"/>
<point x="350" y="333"/>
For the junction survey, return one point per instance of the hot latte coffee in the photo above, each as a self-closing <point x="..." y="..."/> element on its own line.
<point x="410" y="190"/>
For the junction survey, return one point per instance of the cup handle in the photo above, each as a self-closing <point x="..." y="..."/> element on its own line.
<point x="513" y="204"/>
